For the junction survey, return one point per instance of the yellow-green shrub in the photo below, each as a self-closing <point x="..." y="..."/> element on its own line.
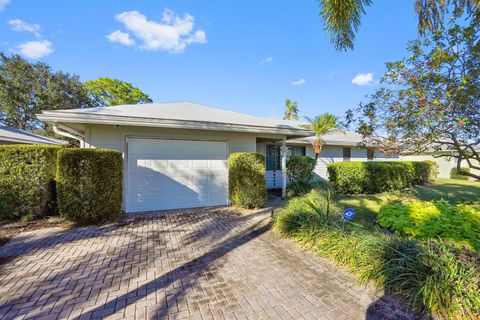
<point x="89" y="183"/>
<point x="432" y="220"/>
<point x="27" y="187"/>
<point x="246" y="179"/>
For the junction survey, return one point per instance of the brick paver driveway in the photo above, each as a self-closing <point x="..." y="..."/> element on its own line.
<point x="193" y="264"/>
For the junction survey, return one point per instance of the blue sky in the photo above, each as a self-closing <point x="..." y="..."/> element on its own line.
<point x="247" y="56"/>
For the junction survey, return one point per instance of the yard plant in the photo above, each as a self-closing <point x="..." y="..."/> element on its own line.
<point x="89" y="185"/>
<point x="378" y="176"/>
<point x="27" y="183"/>
<point x="246" y="179"/>
<point x="434" y="272"/>
<point x="433" y="219"/>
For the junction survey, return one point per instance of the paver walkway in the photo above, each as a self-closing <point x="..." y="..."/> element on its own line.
<point x="192" y="264"/>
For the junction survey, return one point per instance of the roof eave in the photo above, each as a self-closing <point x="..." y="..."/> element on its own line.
<point x="51" y="117"/>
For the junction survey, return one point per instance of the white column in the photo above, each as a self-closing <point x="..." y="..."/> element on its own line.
<point x="283" y="153"/>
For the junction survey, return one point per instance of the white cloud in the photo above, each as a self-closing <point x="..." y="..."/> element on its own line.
<point x="267" y="60"/>
<point x="173" y="33"/>
<point x="21" y="26"/>
<point x="121" y="37"/>
<point x="298" y="82"/>
<point x="363" y="79"/>
<point x="4" y="3"/>
<point x="35" y="49"/>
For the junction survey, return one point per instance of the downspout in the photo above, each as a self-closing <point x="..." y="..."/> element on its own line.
<point x="69" y="133"/>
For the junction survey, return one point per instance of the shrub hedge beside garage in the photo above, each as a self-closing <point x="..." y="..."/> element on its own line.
<point x="27" y="186"/>
<point x="379" y="176"/>
<point x="89" y="185"/>
<point x="246" y="180"/>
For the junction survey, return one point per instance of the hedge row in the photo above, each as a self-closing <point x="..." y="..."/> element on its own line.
<point x="246" y="179"/>
<point x="89" y="183"/>
<point x="85" y="183"/>
<point x="27" y="187"/>
<point x="379" y="176"/>
<point x="454" y="174"/>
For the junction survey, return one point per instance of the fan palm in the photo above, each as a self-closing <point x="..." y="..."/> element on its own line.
<point x="341" y="18"/>
<point x="321" y="125"/>
<point x="291" y="110"/>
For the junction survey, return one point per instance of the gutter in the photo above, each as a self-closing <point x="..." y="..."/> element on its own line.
<point x="68" y="132"/>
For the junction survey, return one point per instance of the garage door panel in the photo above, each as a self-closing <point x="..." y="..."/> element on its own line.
<point x="168" y="174"/>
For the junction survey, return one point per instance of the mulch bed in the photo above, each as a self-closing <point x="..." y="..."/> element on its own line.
<point x="10" y="229"/>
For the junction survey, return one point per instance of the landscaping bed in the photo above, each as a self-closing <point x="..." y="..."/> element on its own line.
<point x="436" y="269"/>
<point x="10" y="229"/>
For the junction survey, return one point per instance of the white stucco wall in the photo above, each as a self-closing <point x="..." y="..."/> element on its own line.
<point x="444" y="165"/>
<point x="331" y="154"/>
<point x="112" y="137"/>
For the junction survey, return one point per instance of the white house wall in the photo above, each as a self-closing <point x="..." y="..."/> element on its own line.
<point x="112" y="137"/>
<point x="444" y="165"/>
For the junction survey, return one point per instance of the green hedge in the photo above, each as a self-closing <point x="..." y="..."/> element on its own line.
<point x="300" y="169"/>
<point x="246" y="179"/>
<point x="89" y="185"/>
<point x="378" y="176"/>
<point x="27" y="187"/>
<point x="455" y="175"/>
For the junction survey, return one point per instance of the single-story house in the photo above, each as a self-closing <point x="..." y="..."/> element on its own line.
<point x="9" y="135"/>
<point x="175" y="154"/>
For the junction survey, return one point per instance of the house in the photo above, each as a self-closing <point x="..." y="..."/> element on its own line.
<point x="339" y="146"/>
<point x="9" y="135"/>
<point x="175" y="154"/>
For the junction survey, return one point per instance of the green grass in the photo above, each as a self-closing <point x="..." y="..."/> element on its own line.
<point x="434" y="276"/>
<point x="367" y="206"/>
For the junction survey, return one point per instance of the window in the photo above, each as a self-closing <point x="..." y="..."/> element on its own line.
<point x="273" y="156"/>
<point x="347" y="154"/>
<point x="370" y="154"/>
<point x="297" y="151"/>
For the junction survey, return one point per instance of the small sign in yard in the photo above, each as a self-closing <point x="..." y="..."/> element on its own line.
<point x="348" y="214"/>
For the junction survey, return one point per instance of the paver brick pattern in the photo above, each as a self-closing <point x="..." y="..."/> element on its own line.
<point x="212" y="263"/>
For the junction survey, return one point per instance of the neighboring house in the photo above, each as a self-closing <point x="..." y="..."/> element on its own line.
<point x="9" y="135"/>
<point x="175" y="153"/>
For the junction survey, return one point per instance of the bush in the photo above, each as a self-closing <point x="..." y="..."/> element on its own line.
<point x="306" y="212"/>
<point x="454" y="174"/>
<point x="246" y="179"/>
<point x="432" y="276"/>
<point x="433" y="219"/>
<point x="27" y="187"/>
<point x="89" y="183"/>
<point x="378" y="176"/>
<point x="300" y="169"/>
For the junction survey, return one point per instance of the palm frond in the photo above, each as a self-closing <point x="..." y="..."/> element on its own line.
<point x="341" y="19"/>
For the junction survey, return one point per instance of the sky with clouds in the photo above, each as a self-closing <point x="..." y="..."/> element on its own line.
<point x="248" y="56"/>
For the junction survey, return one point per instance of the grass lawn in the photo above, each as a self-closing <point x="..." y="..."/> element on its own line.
<point x="454" y="191"/>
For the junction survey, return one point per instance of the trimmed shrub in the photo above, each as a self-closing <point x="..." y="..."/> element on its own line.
<point x="378" y="176"/>
<point x="300" y="168"/>
<point x="27" y="186"/>
<point x="455" y="175"/>
<point x="246" y="180"/>
<point x="89" y="184"/>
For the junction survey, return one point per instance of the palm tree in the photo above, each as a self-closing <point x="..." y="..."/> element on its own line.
<point x="341" y="19"/>
<point x="321" y="125"/>
<point x="291" y="110"/>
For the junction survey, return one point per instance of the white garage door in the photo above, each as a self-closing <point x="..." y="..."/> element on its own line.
<point x="173" y="174"/>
